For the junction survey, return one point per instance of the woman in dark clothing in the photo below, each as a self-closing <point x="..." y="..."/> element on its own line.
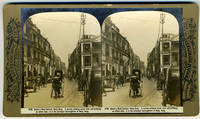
<point x="173" y="89"/>
<point x="95" y="90"/>
<point x="92" y="88"/>
<point x="84" y="85"/>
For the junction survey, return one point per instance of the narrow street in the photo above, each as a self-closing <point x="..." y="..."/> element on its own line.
<point x="120" y="98"/>
<point x="42" y="99"/>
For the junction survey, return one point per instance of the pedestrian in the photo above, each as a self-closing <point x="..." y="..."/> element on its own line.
<point x="162" y="81"/>
<point x="84" y="82"/>
<point x="95" y="90"/>
<point x="55" y="86"/>
<point x="173" y="90"/>
<point x="117" y="81"/>
<point x="136" y="85"/>
<point x="104" y="91"/>
<point x="38" y="81"/>
<point x="43" y="81"/>
<point x="131" y="86"/>
<point x="122" y="81"/>
<point x="92" y="88"/>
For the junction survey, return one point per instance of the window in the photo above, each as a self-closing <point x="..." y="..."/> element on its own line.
<point x="123" y="45"/>
<point x="117" y="55"/>
<point x="86" y="48"/>
<point x="107" y="50"/>
<point x="39" y="56"/>
<point x="28" y="51"/>
<point x="113" y="53"/>
<point x="87" y="61"/>
<point x="166" y="47"/>
<point x="166" y="59"/>
<point x="165" y="36"/>
<point x="97" y="45"/>
<point x="113" y="36"/>
<point x="34" y="37"/>
<point x="175" y="46"/>
<point x="34" y="54"/>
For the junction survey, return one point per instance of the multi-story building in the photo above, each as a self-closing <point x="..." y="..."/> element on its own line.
<point x="164" y="55"/>
<point x="39" y="56"/>
<point x="86" y="56"/>
<point x="117" y="55"/>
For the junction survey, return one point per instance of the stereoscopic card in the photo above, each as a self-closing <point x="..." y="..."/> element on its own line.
<point x="101" y="59"/>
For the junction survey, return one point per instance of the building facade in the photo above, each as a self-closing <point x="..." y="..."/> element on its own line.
<point x="86" y="56"/>
<point x="164" y="55"/>
<point x="39" y="56"/>
<point x="118" y="57"/>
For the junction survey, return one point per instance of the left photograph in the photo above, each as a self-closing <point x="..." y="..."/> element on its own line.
<point x="62" y="60"/>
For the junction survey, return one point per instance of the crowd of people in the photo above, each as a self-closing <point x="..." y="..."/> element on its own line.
<point x="35" y="82"/>
<point x="118" y="81"/>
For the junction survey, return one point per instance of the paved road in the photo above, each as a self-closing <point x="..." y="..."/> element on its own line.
<point x="151" y="97"/>
<point x="72" y="97"/>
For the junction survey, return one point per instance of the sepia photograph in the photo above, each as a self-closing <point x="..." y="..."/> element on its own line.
<point x="140" y="60"/>
<point x="129" y="61"/>
<point x="62" y="60"/>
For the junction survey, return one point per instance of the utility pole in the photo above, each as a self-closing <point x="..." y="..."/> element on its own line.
<point x="83" y="19"/>
<point x="164" y="69"/>
<point x="83" y="22"/>
<point x="162" y="21"/>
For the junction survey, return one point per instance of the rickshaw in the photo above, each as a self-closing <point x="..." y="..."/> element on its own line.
<point x="136" y="84"/>
<point x="58" y="84"/>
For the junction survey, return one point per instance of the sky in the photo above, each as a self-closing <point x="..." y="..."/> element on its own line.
<point x="62" y="30"/>
<point x="142" y="28"/>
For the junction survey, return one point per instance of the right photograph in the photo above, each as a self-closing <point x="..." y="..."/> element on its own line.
<point x="140" y="60"/>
